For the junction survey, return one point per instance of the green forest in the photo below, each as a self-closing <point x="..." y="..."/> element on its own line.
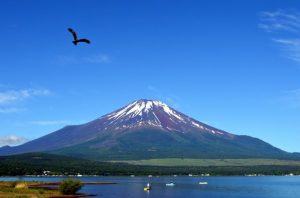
<point x="41" y="163"/>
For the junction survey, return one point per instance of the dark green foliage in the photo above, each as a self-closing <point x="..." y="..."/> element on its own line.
<point x="36" y="163"/>
<point x="70" y="186"/>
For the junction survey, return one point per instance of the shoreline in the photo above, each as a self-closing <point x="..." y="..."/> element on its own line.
<point x="58" y="183"/>
<point x="41" y="189"/>
<point x="132" y="176"/>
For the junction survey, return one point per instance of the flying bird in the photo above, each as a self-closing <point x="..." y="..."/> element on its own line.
<point x="76" y="40"/>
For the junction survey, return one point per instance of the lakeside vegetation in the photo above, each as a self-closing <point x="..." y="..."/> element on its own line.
<point x="38" y="189"/>
<point x="48" y="164"/>
<point x="24" y="190"/>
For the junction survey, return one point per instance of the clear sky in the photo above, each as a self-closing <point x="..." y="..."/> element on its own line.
<point x="232" y="64"/>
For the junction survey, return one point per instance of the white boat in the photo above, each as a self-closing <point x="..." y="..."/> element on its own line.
<point x="203" y="183"/>
<point x="170" y="184"/>
<point x="148" y="187"/>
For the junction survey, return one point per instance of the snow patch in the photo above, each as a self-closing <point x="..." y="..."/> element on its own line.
<point x="197" y="125"/>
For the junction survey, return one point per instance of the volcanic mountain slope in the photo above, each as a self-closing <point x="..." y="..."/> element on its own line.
<point x="147" y="129"/>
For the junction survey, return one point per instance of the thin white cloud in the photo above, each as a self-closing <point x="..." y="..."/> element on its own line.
<point x="12" y="140"/>
<point x="11" y="109"/>
<point x="92" y="59"/>
<point x="291" y="47"/>
<point x="100" y="58"/>
<point x="286" y="26"/>
<point x="9" y="99"/>
<point x="17" y="95"/>
<point x="276" y="27"/>
<point x="280" y="20"/>
<point x="49" y="122"/>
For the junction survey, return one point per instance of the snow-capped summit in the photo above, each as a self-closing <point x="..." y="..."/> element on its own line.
<point x="152" y="114"/>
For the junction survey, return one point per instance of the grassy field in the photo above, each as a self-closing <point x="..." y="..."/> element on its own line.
<point x="212" y="162"/>
<point x="10" y="190"/>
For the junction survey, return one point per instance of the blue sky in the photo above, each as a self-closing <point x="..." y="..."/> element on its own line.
<point x="234" y="65"/>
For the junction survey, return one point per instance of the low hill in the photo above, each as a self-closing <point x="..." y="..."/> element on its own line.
<point x="37" y="163"/>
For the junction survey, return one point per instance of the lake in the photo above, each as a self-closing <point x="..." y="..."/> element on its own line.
<point x="188" y="187"/>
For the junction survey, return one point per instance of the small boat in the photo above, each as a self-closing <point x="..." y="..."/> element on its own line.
<point x="203" y="183"/>
<point x="148" y="187"/>
<point x="170" y="184"/>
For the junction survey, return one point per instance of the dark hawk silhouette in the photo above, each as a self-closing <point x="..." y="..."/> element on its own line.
<point x="76" y="40"/>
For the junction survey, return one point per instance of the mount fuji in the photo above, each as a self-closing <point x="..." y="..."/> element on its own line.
<point x="147" y="129"/>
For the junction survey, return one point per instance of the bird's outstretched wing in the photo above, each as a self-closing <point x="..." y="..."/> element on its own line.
<point x="73" y="33"/>
<point x="84" y="40"/>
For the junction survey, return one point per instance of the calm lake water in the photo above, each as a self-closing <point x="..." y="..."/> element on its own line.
<point x="188" y="187"/>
